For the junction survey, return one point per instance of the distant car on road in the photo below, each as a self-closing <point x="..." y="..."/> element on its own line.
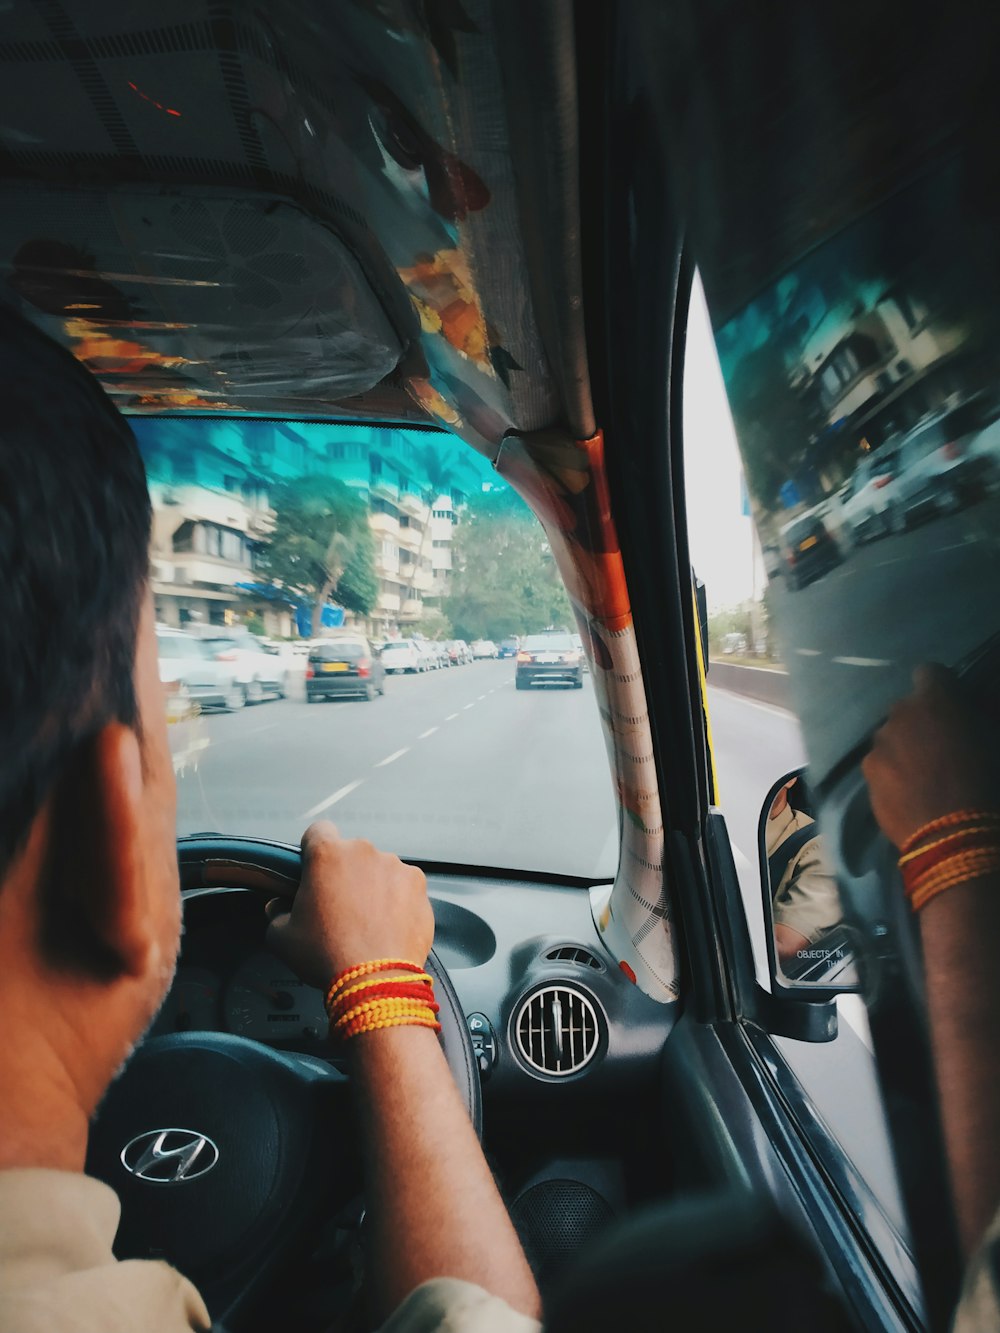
<point x="482" y="649"/>
<point x="402" y="655"/>
<point x="866" y="499"/>
<point x="940" y="469"/>
<point x="809" y="550"/>
<point x="188" y="667"/>
<point x="259" y="672"/>
<point x="346" y="665"/>
<point x="508" y="647"/>
<point x="549" y="659"/>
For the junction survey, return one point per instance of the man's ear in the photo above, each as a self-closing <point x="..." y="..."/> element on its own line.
<point x="95" y="900"/>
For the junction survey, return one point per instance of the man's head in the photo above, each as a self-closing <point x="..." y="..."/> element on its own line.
<point x="89" y="905"/>
<point x="780" y="803"/>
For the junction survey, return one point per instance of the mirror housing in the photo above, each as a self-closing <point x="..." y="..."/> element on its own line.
<point x="811" y="948"/>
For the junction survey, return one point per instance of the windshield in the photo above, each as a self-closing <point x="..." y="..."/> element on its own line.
<point x="556" y="642"/>
<point x="292" y="533"/>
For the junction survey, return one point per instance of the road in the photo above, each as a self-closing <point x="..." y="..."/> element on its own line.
<point x="453" y="765"/>
<point x="853" y="636"/>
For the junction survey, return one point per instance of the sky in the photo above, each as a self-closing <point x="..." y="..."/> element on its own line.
<point x="720" y="535"/>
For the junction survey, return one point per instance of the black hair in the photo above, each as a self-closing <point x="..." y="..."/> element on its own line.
<point x="74" y="543"/>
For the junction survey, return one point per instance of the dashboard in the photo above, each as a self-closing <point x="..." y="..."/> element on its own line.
<point x="503" y="941"/>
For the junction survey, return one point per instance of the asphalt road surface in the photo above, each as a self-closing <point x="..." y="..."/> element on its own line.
<point x="853" y="637"/>
<point x="453" y="765"/>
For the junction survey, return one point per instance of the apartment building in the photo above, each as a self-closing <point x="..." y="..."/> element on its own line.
<point x="212" y="514"/>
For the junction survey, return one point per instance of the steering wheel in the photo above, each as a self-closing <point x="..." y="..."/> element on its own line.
<point x="263" y="1144"/>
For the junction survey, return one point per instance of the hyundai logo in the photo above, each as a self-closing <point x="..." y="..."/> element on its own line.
<point x="169" y="1156"/>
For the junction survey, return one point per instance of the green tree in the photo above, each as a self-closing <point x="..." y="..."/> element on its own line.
<point x="321" y="546"/>
<point x="505" y="579"/>
<point x="434" y="624"/>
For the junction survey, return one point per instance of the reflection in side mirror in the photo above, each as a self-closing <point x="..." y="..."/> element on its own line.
<point x="809" y="943"/>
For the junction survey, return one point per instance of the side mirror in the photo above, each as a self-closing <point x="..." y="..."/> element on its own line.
<point x="810" y="947"/>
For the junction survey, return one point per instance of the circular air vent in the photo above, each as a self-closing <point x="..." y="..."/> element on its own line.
<point x="556" y="1030"/>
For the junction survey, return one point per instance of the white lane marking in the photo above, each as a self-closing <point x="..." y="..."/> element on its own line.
<point x="809" y="652"/>
<point x="338" y="795"/>
<point x="465" y="706"/>
<point x="482" y="697"/>
<point x="451" y="717"/>
<point x="391" y="759"/>
<point x="424" y="734"/>
<point x="785" y="713"/>
<point x="863" y="661"/>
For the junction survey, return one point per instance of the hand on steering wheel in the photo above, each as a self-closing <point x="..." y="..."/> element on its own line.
<point x="353" y="904"/>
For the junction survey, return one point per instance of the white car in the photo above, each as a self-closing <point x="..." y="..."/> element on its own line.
<point x="188" y="667"/>
<point x="259" y="672"/>
<point x="482" y="649"/>
<point x="428" y="654"/>
<point x="402" y="655"/>
<point x="865" y="506"/>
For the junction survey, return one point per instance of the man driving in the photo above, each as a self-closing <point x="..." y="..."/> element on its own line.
<point x="90" y="917"/>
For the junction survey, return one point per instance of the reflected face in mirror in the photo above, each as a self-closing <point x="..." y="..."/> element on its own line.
<point x="806" y="907"/>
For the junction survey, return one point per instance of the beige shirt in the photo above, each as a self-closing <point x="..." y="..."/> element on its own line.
<point x="807" y="898"/>
<point x="58" y="1273"/>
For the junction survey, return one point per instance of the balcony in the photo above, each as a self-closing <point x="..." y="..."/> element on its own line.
<point x="410" y="538"/>
<point x="261" y="522"/>
<point x="387" y="490"/>
<point x="412" y="503"/>
<point x="385" y="525"/>
<point x="388" y="601"/>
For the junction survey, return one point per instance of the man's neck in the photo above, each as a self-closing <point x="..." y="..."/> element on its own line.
<point x="44" y="1114"/>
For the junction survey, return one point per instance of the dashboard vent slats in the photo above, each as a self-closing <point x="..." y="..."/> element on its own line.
<point x="574" y="953"/>
<point x="556" y="1030"/>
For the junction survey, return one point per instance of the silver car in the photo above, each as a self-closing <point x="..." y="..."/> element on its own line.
<point x="188" y="665"/>
<point x="938" y="470"/>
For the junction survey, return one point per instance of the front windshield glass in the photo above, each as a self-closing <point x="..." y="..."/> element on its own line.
<point x="277" y="535"/>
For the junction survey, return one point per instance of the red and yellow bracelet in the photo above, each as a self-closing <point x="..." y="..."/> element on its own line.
<point x="350" y="974"/>
<point x="968" y="849"/>
<point x="358" y="1000"/>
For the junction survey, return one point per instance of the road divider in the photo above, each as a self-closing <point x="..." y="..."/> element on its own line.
<point x="762" y="683"/>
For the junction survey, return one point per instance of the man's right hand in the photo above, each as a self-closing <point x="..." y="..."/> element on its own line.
<point x="354" y="904"/>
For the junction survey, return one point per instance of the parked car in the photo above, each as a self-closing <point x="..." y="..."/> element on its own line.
<point x="344" y="665"/>
<point x="459" y="652"/>
<point x="401" y="655"/>
<point x="189" y="667"/>
<point x="483" y="648"/>
<point x="259" y="672"/>
<point x="428" y="654"/>
<point x="773" y="563"/>
<point x="865" y="500"/>
<point x="508" y="647"/>
<point x="549" y="659"/>
<point x="809" y="550"/>
<point x="939" y="468"/>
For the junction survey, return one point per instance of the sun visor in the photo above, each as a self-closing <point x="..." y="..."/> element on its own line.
<point x="206" y="299"/>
